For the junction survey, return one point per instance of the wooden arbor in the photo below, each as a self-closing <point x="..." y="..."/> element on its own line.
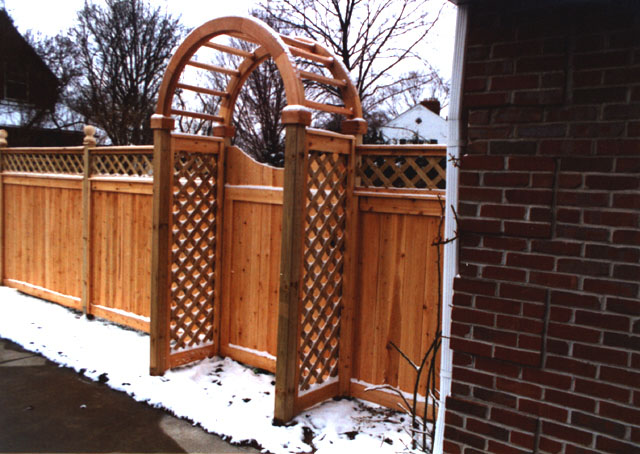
<point x="189" y="179"/>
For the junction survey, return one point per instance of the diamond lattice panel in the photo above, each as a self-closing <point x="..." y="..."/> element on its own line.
<point x="323" y="266"/>
<point x="130" y="164"/>
<point x="193" y="250"/>
<point x="416" y="172"/>
<point x="64" y="163"/>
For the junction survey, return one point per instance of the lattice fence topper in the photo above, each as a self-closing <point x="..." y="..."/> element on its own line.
<point x="193" y="250"/>
<point x="324" y="245"/>
<point x="415" y="172"/>
<point x="64" y="163"/>
<point x="121" y="164"/>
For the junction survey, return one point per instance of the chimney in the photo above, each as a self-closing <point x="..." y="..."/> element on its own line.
<point x="432" y="104"/>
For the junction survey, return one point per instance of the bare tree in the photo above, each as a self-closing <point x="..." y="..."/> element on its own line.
<point x="375" y="39"/>
<point x="122" y="49"/>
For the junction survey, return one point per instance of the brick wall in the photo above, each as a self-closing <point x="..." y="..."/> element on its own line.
<point x="546" y="315"/>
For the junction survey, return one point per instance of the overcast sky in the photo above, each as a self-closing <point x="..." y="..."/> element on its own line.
<point x="50" y="17"/>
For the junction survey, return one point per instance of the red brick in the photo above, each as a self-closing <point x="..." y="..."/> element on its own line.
<point x="474" y="286"/>
<point x="527" y="229"/>
<point x="575" y="300"/>
<point x="487" y="429"/>
<point x="583" y="198"/>
<point x="589" y="78"/>
<point x="494" y="336"/>
<point x="542" y="130"/>
<point x="600" y="59"/>
<point x="626" y="272"/>
<point x="596" y="129"/>
<point x="480" y="256"/>
<point x="546" y="378"/>
<point x="522" y="293"/>
<point x="499" y="368"/>
<point x="629" y="201"/>
<point x="522" y="439"/>
<point x="495" y="446"/>
<point x="620" y="412"/>
<point x="485" y="99"/>
<point x="500" y="83"/>
<point x="480" y="194"/>
<point x="506" y="179"/>
<point x="562" y="315"/>
<point x="550" y="446"/>
<point x="502" y="211"/>
<point x="543" y="410"/>
<point x="538" y="97"/>
<point x="569" y="215"/>
<point x="583" y="267"/>
<point x="570" y="400"/>
<point x="573" y="333"/>
<point x="605" y="287"/>
<point x="624" y="341"/>
<point x="617" y="147"/>
<point x="515" y="147"/>
<point x="513" y="419"/>
<point x="461" y="375"/>
<point x="570" y="180"/>
<point x="519" y="388"/>
<point x="540" y="64"/>
<point x="496" y="397"/>
<point x="631" y="237"/>
<point x="460" y="330"/>
<point x="567" y="147"/>
<point x="572" y="113"/>
<point x="530" y="261"/>
<point x="475" y="84"/>
<point x="605" y="444"/>
<point x="619" y="254"/>
<point x="501" y="273"/>
<point x="517" y="115"/>
<point x="451" y="448"/>
<point x="624" y="377"/>
<point x="574" y="232"/>
<point x="504" y="243"/>
<point x="519" y="324"/>
<point x="566" y="432"/>
<point x="556" y="280"/>
<point x="600" y="354"/>
<point x="553" y="80"/>
<point x="527" y="358"/>
<point x="517" y="49"/>
<point x="569" y="365"/>
<point x="612" y="182"/>
<point x="473" y="347"/>
<point x="556" y="247"/>
<point x="542" y="180"/>
<point x="493" y="304"/>
<point x="602" y="321"/>
<point x="622" y="306"/>
<point x="480" y="162"/>
<point x="466" y="407"/>
<point x="590" y="164"/>
<point x="621" y="112"/>
<point x="602" y="390"/>
<point x="472" y="316"/>
<point x="533" y="310"/>
<point x="611" y="218"/>
<point x="452" y="433"/>
<point x="628" y="165"/>
<point x="599" y="95"/>
<point x="527" y="164"/>
<point x="488" y="132"/>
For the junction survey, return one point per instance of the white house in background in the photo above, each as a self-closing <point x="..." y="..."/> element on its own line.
<point x="420" y="124"/>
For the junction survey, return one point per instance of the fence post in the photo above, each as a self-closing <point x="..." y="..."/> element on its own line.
<point x="295" y="119"/>
<point x="3" y="144"/>
<point x="161" y="248"/>
<point x="88" y="142"/>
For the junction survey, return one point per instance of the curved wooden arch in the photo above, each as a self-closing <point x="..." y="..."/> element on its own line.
<point x="280" y="48"/>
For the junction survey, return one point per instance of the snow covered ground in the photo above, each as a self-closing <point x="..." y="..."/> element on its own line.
<point x="220" y="395"/>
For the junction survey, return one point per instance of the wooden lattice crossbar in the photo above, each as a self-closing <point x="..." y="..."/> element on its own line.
<point x="62" y="162"/>
<point x="193" y="250"/>
<point x="131" y="164"/>
<point x="323" y="263"/>
<point x="401" y="171"/>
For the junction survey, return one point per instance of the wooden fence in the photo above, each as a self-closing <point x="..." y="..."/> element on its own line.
<point x="76" y="228"/>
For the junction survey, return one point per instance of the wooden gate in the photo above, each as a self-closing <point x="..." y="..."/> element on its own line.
<point x="252" y="234"/>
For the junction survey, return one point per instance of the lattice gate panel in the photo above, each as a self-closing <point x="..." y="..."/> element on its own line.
<point x="323" y="264"/>
<point x="193" y="251"/>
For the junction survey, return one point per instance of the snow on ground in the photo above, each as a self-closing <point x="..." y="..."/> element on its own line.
<point x="220" y="395"/>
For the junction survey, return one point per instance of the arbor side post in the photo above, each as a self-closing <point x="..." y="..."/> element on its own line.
<point x="88" y="142"/>
<point x="357" y="128"/>
<point x="296" y="118"/>
<point x="161" y="247"/>
<point x="3" y="144"/>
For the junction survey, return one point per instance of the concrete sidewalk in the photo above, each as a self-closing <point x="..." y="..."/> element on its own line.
<point x="47" y="408"/>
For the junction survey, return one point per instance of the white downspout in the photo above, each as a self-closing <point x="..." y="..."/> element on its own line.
<point x="451" y="249"/>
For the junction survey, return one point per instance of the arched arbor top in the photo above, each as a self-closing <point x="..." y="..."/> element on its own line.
<point x="249" y="42"/>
